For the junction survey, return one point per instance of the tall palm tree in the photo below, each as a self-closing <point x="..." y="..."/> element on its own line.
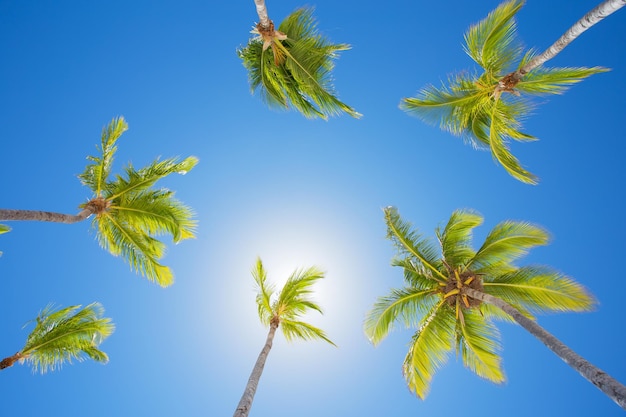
<point x="291" y="66"/>
<point x="452" y="295"/>
<point x="129" y="213"/>
<point x="487" y="109"/>
<point x="283" y="309"/>
<point x="64" y="335"/>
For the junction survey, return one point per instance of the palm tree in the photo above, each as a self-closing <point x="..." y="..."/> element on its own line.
<point x="476" y="107"/>
<point x="63" y="335"/>
<point x="129" y="212"/>
<point x="283" y="309"/>
<point x="453" y="298"/>
<point x="297" y="71"/>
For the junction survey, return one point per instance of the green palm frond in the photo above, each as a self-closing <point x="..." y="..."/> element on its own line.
<point x="415" y="274"/>
<point x="506" y="242"/>
<point x="456" y="238"/>
<point x="554" y="80"/>
<point x="293" y="299"/>
<point x="540" y="289"/>
<point x="96" y="174"/>
<point x="479" y="346"/>
<point x="429" y="348"/>
<point x="67" y="334"/>
<point x="264" y="293"/>
<point x="4" y="229"/>
<point x="409" y="242"/>
<point x="407" y="305"/>
<point x="296" y="72"/>
<point x="300" y="330"/>
<point x="138" y="248"/>
<point x="492" y="42"/>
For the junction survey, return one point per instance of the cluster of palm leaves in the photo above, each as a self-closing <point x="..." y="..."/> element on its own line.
<point x="487" y="108"/>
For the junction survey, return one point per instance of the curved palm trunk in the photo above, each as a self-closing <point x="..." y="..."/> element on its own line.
<point x="591" y="18"/>
<point x="248" y="394"/>
<point x="261" y="10"/>
<point x="607" y="384"/>
<point x="8" y="362"/>
<point x="44" y="216"/>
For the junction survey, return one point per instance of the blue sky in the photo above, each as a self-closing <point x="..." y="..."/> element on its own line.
<point x="295" y="192"/>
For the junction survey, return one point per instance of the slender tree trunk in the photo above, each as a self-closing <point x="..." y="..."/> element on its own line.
<point x="248" y="395"/>
<point x="591" y="18"/>
<point x="607" y="384"/>
<point x="44" y="216"/>
<point x="261" y="10"/>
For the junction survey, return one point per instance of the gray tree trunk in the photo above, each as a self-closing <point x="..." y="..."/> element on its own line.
<point x="611" y="387"/>
<point x="44" y="216"/>
<point x="243" y="409"/>
<point x="261" y="10"/>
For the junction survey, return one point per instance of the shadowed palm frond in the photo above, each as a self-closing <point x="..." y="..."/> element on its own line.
<point x="293" y="330"/>
<point x="296" y="71"/>
<point x="66" y="334"/>
<point x="264" y="293"/>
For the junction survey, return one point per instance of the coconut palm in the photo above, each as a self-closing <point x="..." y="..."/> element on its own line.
<point x="487" y="109"/>
<point x="454" y="293"/>
<point x="284" y="309"/>
<point x="129" y="213"/>
<point x="64" y="335"/>
<point x="291" y="66"/>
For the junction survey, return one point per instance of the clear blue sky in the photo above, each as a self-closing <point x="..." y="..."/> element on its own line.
<point x="295" y="192"/>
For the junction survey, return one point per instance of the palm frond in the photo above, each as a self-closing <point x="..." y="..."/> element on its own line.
<point x="456" y="238"/>
<point x="67" y="334"/>
<point x="429" y="348"/>
<point x="554" y="80"/>
<point x="302" y="77"/>
<point x="540" y="289"/>
<point x="4" y="229"/>
<point x="407" y="305"/>
<point x="264" y="293"/>
<point x="415" y="274"/>
<point x="506" y="242"/>
<point x="293" y="299"/>
<point x="96" y="173"/>
<point x="139" y="249"/>
<point x="300" y="330"/>
<point x="479" y="346"/>
<point x="492" y="42"/>
<point x="409" y="242"/>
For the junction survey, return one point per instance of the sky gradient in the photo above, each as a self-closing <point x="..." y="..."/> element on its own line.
<point x="296" y="193"/>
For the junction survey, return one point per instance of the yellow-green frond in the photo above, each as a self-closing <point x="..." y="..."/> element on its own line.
<point x="540" y="289"/>
<point x="407" y="305"/>
<point x="456" y="238"/>
<point x="264" y="292"/>
<point x="554" y="80"/>
<point x="479" y="346"/>
<point x="429" y="349"/>
<point x="300" y="330"/>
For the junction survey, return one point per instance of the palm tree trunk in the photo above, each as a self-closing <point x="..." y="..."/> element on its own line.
<point x="261" y="10"/>
<point x="591" y="18"/>
<point x="607" y="384"/>
<point x="44" y="216"/>
<point x="8" y="362"/>
<point x="248" y="394"/>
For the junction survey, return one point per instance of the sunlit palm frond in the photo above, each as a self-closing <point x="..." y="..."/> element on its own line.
<point x="264" y="293"/>
<point x="492" y="42"/>
<point x="429" y="349"/>
<point x="415" y="274"/>
<point x="300" y="330"/>
<point x="554" y="80"/>
<point x="139" y="249"/>
<point x="408" y="305"/>
<point x="67" y="334"/>
<point x="155" y="212"/>
<point x="456" y="238"/>
<point x="96" y="173"/>
<point x="479" y="346"/>
<point x="296" y="72"/>
<point x="540" y="289"/>
<point x="506" y="242"/>
<point x="293" y="299"/>
<point x="409" y="242"/>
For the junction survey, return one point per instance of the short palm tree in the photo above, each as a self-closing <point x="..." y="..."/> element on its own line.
<point x="129" y="213"/>
<point x="452" y="299"/>
<point x="64" y="335"/>
<point x="291" y="66"/>
<point x="283" y="309"/>
<point x="487" y="109"/>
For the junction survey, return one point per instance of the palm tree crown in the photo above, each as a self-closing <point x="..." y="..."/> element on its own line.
<point x="436" y="298"/>
<point x="291" y="66"/>
<point x="63" y="335"/>
<point x="486" y="109"/>
<point x="129" y="212"/>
